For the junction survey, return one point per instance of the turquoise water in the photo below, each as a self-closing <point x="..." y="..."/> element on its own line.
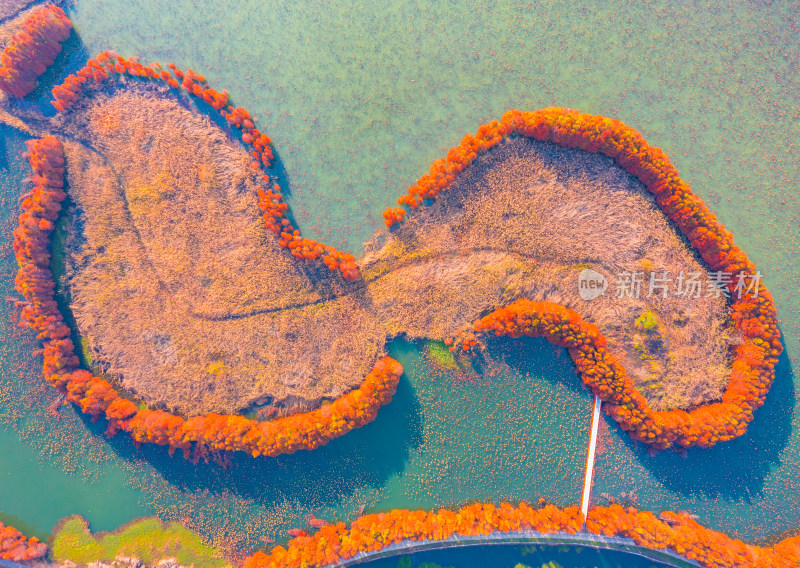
<point x="516" y="556"/>
<point x="359" y="99"/>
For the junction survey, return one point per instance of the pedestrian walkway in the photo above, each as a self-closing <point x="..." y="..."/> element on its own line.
<point x="587" y="480"/>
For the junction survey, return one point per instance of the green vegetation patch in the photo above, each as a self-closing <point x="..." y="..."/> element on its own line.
<point x="440" y="354"/>
<point x="647" y="321"/>
<point x="148" y="539"/>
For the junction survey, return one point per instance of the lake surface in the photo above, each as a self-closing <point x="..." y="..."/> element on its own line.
<point x="359" y="99"/>
<point x="517" y="556"/>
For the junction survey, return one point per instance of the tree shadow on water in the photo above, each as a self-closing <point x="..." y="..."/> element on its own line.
<point x="534" y="356"/>
<point x="74" y="55"/>
<point x="736" y="469"/>
<point x="367" y="456"/>
<point x="11" y="158"/>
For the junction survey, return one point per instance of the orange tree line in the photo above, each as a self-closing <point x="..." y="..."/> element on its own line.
<point x="33" y="49"/>
<point x="16" y="547"/>
<point x="753" y="367"/>
<point x="109" y="64"/>
<point x="677" y="532"/>
<point x="97" y="397"/>
<point x="752" y="370"/>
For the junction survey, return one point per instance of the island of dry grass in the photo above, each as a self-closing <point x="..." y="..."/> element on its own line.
<point x="187" y="301"/>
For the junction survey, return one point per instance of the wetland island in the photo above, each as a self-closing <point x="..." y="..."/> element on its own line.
<point x="182" y="321"/>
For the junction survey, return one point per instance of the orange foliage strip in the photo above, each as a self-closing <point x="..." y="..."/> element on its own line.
<point x="306" y="431"/>
<point x="682" y="534"/>
<point x="108" y="63"/>
<point x="33" y="49"/>
<point x="15" y="547"/>
<point x="754" y="363"/>
<point x="751" y="375"/>
<point x="370" y="533"/>
<point x="270" y="202"/>
<point x="673" y="531"/>
<point x="95" y="396"/>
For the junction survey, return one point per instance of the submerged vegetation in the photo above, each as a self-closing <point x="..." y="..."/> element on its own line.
<point x="440" y="354"/>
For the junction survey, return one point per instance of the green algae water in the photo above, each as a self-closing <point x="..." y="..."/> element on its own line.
<point x="359" y="98"/>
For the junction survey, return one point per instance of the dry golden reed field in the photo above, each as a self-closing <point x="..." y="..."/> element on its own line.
<point x="187" y="301"/>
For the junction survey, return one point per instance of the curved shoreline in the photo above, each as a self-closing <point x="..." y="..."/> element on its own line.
<point x="754" y="316"/>
<point x="752" y="370"/>
<point x="671" y="535"/>
<point x="109" y="64"/>
<point x="616" y="544"/>
<point x="753" y="313"/>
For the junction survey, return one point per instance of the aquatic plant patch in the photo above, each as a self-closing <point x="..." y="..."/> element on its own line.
<point x="148" y="540"/>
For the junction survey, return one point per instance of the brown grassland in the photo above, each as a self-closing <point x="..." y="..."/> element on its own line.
<point x="187" y="301"/>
